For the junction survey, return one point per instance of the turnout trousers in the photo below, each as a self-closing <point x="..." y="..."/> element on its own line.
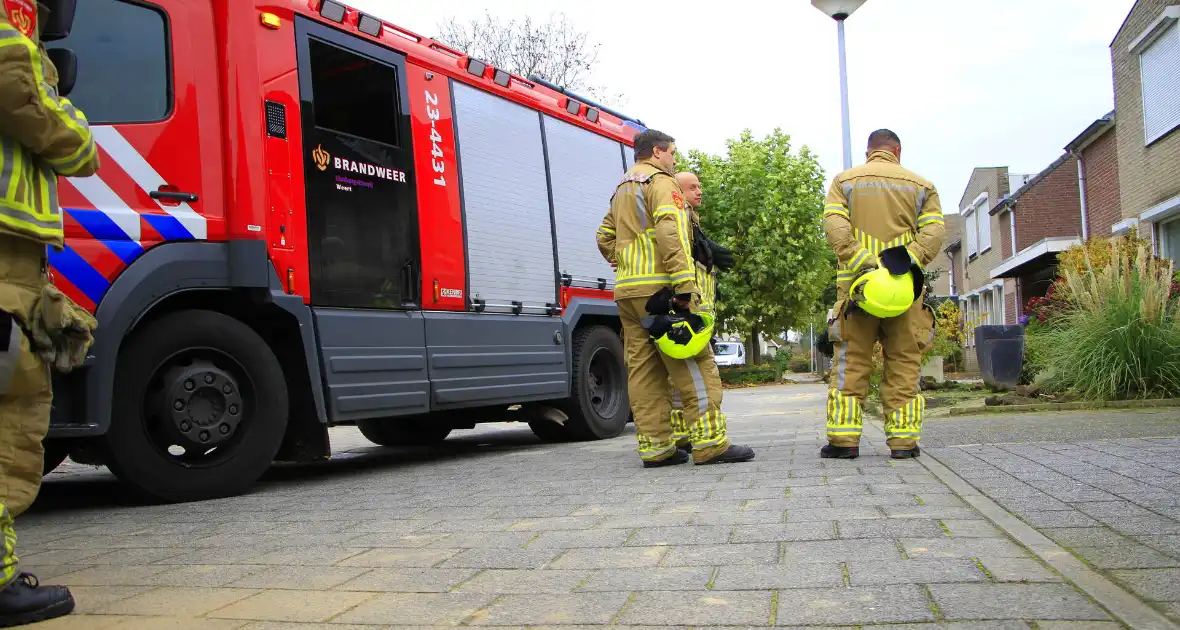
<point x="903" y="340"/>
<point x="696" y="382"/>
<point x="25" y="391"/>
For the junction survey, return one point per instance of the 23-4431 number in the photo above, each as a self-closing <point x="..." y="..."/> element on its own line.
<point x="436" y="151"/>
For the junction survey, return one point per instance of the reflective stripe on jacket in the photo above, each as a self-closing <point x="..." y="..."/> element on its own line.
<point x="648" y="234"/>
<point x="878" y="205"/>
<point x="42" y="135"/>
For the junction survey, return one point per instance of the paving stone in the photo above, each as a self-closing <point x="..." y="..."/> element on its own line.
<point x="1126" y="556"/>
<point x="840" y="550"/>
<point x="532" y="610"/>
<point x="811" y="530"/>
<point x="930" y="511"/>
<point x="500" y="558"/>
<point x="963" y="625"/>
<point x="717" y="555"/>
<point x="478" y="540"/>
<point x="687" y="535"/>
<point x="1161" y="585"/>
<point x="417" y="608"/>
<point x="91" y="599"/>
<point x="734" y="608"/>
<point x="180" y="601"/>
<point x="1057" y="518"/>
<point x="972" y="528"/>
<point x="856" y="605"/>
<point x="795" y="503"/>
<point x="831" y="514"/>
<point x="198" y="575"/>
<point x="873" y="500"/>
<point x="646" y="520"/>
<point x="374" y="558"/>
<point x="649" y="579"/>
<point x="397" y="580"/>
<point x="523" y="581"/>
<point x="918" y="571"/>
<point x="767" y="577"/>
<point x="1085" y="536"/>
<point x="1013" y="601"/>
<point x="573" y="538"/>
<point x="621" y="558"/>
<point x="890" y="528"/>
<point x="305" y="606"/>
<point x="1019" y="570"/>
<point x="1167" y="543"/>
<point x="949" y="547"/>
<point x="759" y="517"/>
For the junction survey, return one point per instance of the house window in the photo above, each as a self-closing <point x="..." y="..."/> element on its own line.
<point x="1159" y="71"/>
<point x="985" y="225"/>
<point x="969" y="224"/>
<point x="1168" y="234"/>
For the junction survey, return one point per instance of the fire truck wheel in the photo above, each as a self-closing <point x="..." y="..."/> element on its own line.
<point x="201" y="408"/>
<point x="403" y="432"/>
<point x="599" y="407"/>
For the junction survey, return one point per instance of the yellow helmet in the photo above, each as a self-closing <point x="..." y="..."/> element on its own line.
<point x="682" y="336"/>
<point x="891" y="288"/>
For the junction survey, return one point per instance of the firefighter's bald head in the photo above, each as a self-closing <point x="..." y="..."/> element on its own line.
<point x="691" y="186"/>
<point x="884" y="140"/>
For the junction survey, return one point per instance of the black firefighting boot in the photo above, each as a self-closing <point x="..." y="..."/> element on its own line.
<point x="906" y="454"/>
<point x="25" y="601"/>
<point x="679" y="457"/>
<point x="839" y="452"/>
<point x="736" y="453"/>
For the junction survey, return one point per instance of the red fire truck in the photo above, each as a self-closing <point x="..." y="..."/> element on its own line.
<point x="307" y="217"/>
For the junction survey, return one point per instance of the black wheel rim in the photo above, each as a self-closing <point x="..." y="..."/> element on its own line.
<point x="197" y="407"/>
<point x="604" y="377"/>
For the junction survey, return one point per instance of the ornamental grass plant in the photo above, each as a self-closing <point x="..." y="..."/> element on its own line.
<point x="1116" y="334"/>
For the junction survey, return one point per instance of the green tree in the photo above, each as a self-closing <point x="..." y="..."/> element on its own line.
<point x="765" y="201"/>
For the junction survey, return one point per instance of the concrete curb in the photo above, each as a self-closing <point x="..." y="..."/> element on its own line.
<point x="1123" y="605"/>
<point x="1070" y="406"/>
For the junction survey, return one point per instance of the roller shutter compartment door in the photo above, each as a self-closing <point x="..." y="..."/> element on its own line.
<point x="584" y="168"/>
<point x="505" y="202"/>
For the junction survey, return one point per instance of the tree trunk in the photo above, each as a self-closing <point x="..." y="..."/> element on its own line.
<point x="755" y="348"/>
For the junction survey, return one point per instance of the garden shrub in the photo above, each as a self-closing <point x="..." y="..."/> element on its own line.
<point x="799" y="364"/>
<point x="1110" y="329"/>
<point x="749" y="375"/>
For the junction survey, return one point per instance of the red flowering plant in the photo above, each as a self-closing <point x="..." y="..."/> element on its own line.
<point x="1045" y="309"/>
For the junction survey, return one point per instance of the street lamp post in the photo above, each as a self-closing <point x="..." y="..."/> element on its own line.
<point x="840" y="10"/>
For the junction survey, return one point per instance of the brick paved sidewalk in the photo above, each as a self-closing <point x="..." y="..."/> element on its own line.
<point x="496" y="529"/>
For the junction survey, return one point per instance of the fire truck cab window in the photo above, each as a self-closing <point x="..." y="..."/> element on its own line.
<point x="353" y="95"/>
<point x="123" y="62"/>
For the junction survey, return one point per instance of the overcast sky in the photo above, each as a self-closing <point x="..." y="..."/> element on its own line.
<point x="963" y="83"/>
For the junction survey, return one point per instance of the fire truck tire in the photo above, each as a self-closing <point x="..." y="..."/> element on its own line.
<point x="401" y="432"/>
<point x="599" y="407"/>
<point x="206" y="385"/>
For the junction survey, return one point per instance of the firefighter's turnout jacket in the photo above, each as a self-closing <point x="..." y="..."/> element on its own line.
<point x="648" y="233"/>
<point x="868" y="209"/>
<point x="41" y="136"/>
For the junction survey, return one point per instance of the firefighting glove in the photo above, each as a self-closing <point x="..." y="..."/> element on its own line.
<point x="62" y="331"/>
<point x="722" y="256"/>
<point x="702" y="253"/>
<point x="660" y="302"/>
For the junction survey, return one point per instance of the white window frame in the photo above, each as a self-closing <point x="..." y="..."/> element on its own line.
<point x="982" y="207"/>
<point x="1164" y="26"/>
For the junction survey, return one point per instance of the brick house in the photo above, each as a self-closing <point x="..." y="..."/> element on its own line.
<point x="979" y="249"/>
<point x="1038" y="221"/>
<point x="1145" y="60"/>
<point x="947" y="285"/>
<point x="1097" y="151"/>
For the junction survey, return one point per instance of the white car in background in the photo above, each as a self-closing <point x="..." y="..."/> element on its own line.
<point x="730" y="353"/>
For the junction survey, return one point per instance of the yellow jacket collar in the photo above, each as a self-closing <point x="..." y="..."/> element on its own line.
<point x="652" y="163"/>
<point x="881" y="155"/>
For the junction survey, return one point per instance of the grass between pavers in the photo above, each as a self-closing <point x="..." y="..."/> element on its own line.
<point x="1067" y="406"/>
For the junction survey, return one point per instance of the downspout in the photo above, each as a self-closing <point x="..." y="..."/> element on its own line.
<point x="951" y="257"/>
<point x="1012" y="226"/>
<point x="1082" y="192"/>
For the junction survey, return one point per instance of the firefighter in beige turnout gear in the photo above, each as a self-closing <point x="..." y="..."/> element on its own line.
<point x="869" y="209"/>
<point x="42" y="136"/>
<point x="709" y="257"/>
<point x="647" y="235"/>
